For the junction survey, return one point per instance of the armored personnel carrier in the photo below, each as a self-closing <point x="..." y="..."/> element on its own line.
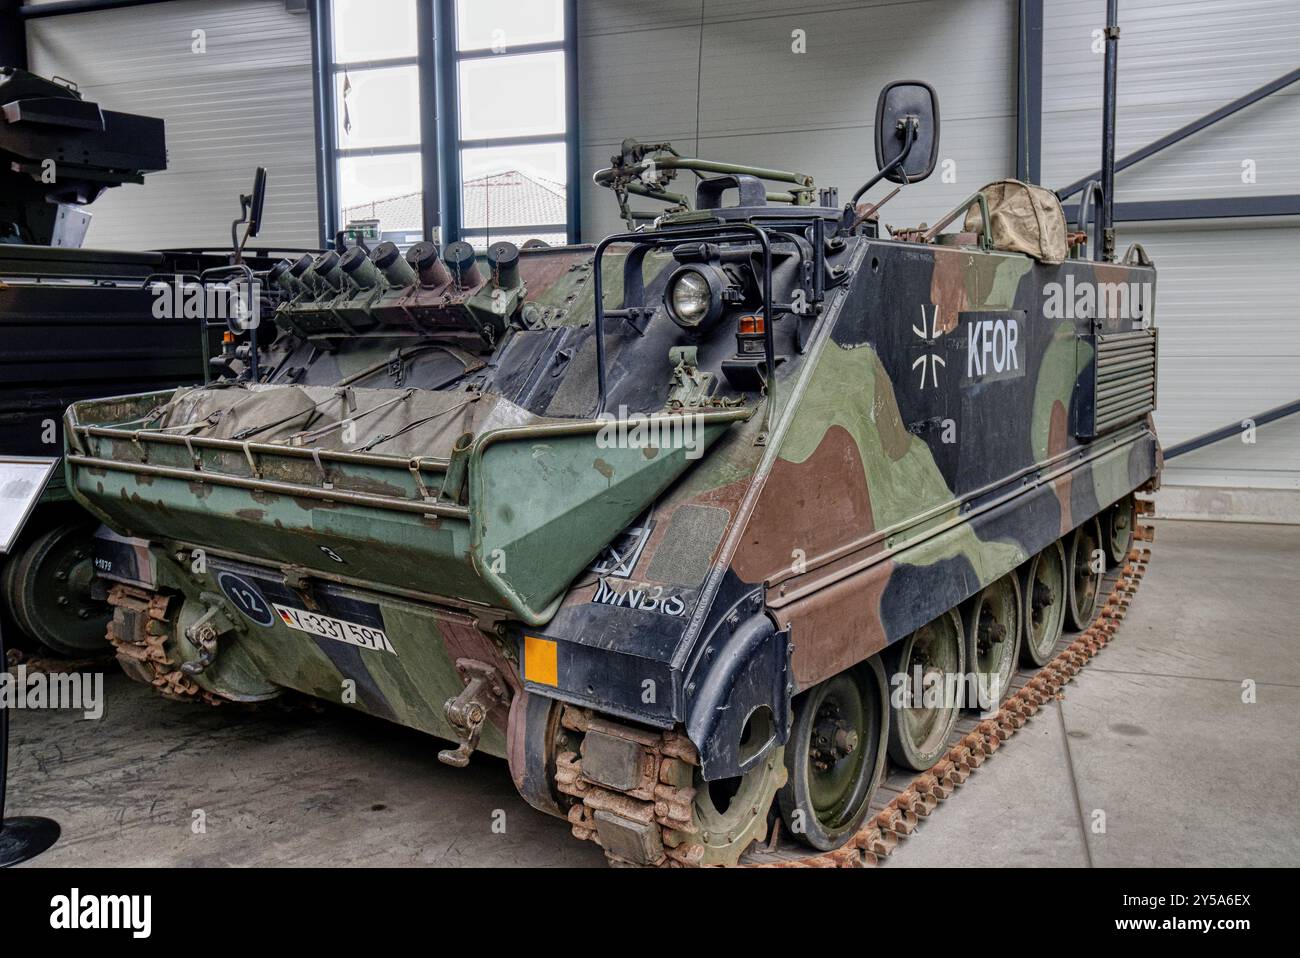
<point x="667" y="522"/>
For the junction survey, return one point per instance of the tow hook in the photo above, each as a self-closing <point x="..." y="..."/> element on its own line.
<point x="205" y="632"/>
<point x="469" y="710"/>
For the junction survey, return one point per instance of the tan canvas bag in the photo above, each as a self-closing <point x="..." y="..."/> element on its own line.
<point x="1023" y="219"/>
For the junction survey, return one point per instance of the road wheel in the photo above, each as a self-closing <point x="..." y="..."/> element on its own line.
<point x="1119" y="529"/>
<point x="919" y="724"/>
<point x="836" y="755"/>
<point x="992" y="626"/>
<point x="1087" y="561"/>
<point x="1046" y="594"/>
<point x="48" y="589"/>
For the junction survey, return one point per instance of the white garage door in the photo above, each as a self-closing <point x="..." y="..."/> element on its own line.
<point x="238" y="100"/>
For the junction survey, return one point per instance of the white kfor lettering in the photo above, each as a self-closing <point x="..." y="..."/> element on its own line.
<point x="992" y="345"/>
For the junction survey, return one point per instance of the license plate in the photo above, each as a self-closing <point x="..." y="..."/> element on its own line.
<point x="341" y="630"/>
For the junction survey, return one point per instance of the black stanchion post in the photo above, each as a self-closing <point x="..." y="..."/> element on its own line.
<point x="25" y="836"/>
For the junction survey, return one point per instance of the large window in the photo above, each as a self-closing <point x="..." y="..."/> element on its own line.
<point x="376" y="78"/>
<point x="503" y="166"/>
<point x="512" y="120"/>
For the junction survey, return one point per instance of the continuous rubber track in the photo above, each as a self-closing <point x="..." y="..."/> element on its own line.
<point x="905" y="800"/>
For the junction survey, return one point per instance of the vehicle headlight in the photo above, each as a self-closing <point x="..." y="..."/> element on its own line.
<point x="694" y="297"/>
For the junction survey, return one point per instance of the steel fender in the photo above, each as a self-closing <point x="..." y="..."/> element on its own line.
<point x="749" y="669"/>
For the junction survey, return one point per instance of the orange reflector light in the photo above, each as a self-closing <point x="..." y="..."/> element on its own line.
<point x="540" y="661"/>
<point x="751" y="325"/>
<point x="227" y="337"/>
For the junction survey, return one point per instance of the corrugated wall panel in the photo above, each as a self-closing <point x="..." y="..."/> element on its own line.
<point x="245" y="102"/>
<point x="1269" y="460"/>
<point x="1178" y="60"/>
<point x="1230" y="345"/>
<point x="641" y="83"/>
<point x="725" y="70"/>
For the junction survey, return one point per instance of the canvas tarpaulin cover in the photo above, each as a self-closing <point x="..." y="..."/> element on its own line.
<point x="396" y="422"/>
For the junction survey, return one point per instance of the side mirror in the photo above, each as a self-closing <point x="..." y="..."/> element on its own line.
<point x="907" y="126"/>
<point x="258" y="200"/>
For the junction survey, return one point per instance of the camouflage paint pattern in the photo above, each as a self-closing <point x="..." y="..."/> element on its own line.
<point x="900" y="477"/>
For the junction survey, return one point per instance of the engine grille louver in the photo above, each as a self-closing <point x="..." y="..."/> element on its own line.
<point x="1122" y="387"/>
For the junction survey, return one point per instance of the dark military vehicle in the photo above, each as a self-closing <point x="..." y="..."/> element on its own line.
<point x="76" y="323"/>
<point x="665" y="523"/>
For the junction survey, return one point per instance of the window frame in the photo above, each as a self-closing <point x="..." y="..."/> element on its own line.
<point x="438" y="61"/>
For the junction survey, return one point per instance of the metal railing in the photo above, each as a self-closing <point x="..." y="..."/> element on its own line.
<point x="718" y="231"/>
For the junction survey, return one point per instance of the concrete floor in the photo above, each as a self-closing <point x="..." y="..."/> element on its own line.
<point x="273" y="786"/>
<point x="1154" y="734"/>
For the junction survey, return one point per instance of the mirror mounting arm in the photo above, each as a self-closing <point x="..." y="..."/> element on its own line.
<point x="245" y="201"/>
<point x="250" y="212"/>
<point x="910" y="126"/>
